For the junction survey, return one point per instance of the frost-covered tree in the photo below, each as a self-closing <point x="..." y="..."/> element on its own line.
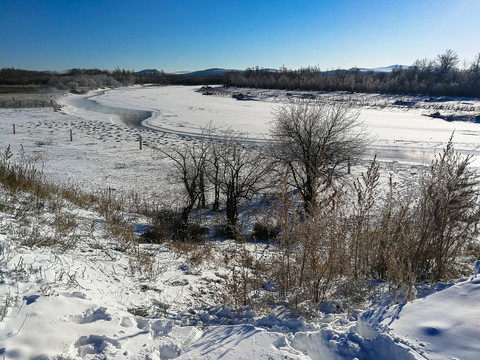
<point x="446" y="62"/>
<point x="314" y="140"/>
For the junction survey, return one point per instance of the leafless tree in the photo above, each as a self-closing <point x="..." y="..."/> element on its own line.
<point x="189" y="162"/>
<point x="314" y="140"/>
<point x="475" y="65"/>
<point x="214" y="168"/>
<point x="446" y="62"/>
<point x="244" y="171"/>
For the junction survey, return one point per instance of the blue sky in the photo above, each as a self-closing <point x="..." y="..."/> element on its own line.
<point x="180" y="35"/>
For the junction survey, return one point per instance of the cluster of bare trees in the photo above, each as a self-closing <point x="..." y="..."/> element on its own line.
<point x="219" y="168"/>
<point x="441" y="76"/>
<point x="445" y="75"/>
<point x="312" y="141"/>
<point x="330" y="229"/>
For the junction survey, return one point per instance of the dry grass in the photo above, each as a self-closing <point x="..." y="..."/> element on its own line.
<point x="27" y="97"/>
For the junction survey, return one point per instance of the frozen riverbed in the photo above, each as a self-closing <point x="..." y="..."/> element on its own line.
<point x="397" y="133"/>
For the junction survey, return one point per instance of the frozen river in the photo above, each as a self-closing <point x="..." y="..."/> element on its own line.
<point x="397" y="134"/>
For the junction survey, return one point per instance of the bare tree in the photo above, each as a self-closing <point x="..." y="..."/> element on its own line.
<point x="446" y="62"/>
<point x="475" y="65"/>
<point x="189" y="162"/>
<point x="214" y="168"/>
<point x="244" y="171"/>
<point x="314" y="140"/>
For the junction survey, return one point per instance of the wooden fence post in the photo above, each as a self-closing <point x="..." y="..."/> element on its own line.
<point x="140" y="141"/>
<point x="13" y="129"/>
<point x="71" y="135"/>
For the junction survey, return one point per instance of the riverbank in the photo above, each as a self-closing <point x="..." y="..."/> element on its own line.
<point x="29" y="97"/>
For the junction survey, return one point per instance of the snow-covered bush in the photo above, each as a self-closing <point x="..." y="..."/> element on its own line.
<point x="422" y="240"/>
<point x="448" y="215"/>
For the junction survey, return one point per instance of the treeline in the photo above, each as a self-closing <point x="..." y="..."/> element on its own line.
<point x="80" y="80"/>
<point x="441" y="76"/>
<point x="73" y="79"/>
<point x="438" y="77"/>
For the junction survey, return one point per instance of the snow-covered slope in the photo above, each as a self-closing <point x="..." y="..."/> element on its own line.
<point x="443" y="325"/>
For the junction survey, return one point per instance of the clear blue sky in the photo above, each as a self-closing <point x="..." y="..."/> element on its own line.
<point x="177" y="35"/>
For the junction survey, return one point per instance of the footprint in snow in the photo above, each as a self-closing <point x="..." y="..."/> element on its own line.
<point x="126" y="322"/>
<point x="30" y="299"/>
<point x="76" y="294"/>
<point x="161" y="327"/>
<point x="96" y="344"/>
<point x="92" y="315"/>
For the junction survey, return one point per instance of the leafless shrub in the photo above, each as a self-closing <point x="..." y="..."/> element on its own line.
<point x="265" y="230"/>
<point x="246" y="275"/>
<point x="143" y="262"/>
<point x="197" y="253"/>
<point x="169" y="225"/>
<point x="366" y="191"/>
<point x="449" y="214"/>
<point x="312" y="246"/>
<point x="423" y="240"/>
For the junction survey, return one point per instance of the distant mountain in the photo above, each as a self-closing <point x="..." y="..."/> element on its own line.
<point x="385" y="68"/>
<point x="208" y="72"/>
<point x="222" y="71"/>
<point x="148" y="72"/>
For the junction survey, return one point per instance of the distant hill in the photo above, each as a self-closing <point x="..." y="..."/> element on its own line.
<point x="385" y="68"/>
<point x="208" y="72"/>
<point x="222" y="71"/>
<point x="148" y="72"/>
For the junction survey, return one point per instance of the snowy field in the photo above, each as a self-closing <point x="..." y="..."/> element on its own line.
<point x="92" y="301"/>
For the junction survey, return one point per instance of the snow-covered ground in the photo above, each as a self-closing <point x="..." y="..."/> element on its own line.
<point x="95" y="301"/>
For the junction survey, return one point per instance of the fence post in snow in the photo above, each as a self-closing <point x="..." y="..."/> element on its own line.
<point x="13" y="129"/>
<point x="140" y="141"/>
<point x="71" y="135"/>
<point x="348" y="165"/>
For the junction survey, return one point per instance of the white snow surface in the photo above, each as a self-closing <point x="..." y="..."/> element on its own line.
<point x="443" y="325"/>
<point x="92" y="302"/>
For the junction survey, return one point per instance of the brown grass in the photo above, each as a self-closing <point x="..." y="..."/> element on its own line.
<point x="27" y="97"/>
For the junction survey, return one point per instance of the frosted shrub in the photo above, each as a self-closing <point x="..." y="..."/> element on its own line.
<point x="449" y="214"/>
<point x="424" y="239"/>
